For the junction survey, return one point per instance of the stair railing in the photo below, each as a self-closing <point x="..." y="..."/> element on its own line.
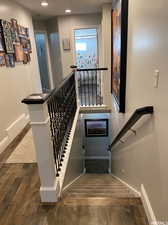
<point x="52" y="115"/>
<point x="89" y="85"/>
<point x="140" y="112"/>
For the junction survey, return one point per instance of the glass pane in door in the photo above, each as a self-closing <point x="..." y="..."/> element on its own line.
<point x="86" y="48"/>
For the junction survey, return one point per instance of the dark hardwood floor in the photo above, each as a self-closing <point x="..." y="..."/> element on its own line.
<point x="94" y="199"/>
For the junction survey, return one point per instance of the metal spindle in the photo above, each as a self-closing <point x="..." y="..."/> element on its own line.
<point x="96" y="85"/>
<point x="84" y="87"/>
<point x="88" y="88"/>
<point x="92" y="80"/>
<point x="62" y="108"/>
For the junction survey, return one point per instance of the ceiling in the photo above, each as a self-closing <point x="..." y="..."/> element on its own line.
<point x="57" y="7"/>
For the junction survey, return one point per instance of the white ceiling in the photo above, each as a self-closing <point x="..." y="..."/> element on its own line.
<point x="57" y="7"/>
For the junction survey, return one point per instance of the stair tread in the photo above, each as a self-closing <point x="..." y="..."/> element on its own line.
<point x="98" y="185"/>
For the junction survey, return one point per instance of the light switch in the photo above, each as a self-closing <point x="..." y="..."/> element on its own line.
<point x="156" y="78"/>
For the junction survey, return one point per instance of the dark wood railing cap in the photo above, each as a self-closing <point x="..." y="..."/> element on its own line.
<point x="36" y="98"/>
<point x="41" y="98"/>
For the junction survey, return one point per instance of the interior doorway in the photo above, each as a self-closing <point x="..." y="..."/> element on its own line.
<point x="40" y="39"/>
<point x="86" y="47"/>
<point x="95" y="143"/>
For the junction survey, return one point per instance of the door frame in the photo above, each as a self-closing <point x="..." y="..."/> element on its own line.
<point x="48" y="61"/>
<point x="98" y="28"/>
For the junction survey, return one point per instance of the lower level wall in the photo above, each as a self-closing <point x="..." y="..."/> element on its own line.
<point x="137" y="162"/>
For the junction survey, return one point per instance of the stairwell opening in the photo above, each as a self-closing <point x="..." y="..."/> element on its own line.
<point x="97" y="159"/>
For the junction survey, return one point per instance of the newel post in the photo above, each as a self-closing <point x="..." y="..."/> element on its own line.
<point x="40" y="124"/>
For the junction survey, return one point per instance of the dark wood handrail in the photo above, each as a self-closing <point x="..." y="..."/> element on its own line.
<point x="92" y="69"/>
<point x="133" y="119"/>
<point x="41" y="98"/>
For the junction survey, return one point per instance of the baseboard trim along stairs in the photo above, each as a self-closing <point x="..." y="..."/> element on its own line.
<point x="148" y="207"/>
<point x="145" y="201"/>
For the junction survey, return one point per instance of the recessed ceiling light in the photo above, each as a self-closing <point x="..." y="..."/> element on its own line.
<point x="68" y="11"/>
<point x="44" y="3"/>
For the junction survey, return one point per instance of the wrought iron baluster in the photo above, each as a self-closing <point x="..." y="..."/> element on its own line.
<point x="62" y="107"/>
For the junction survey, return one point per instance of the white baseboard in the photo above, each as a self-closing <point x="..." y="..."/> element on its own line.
<point x="13" y="130"/>
<point x="68" y="150"/>
<point x="68" y="185"/>
<point x="4" y="143"/>
<point x="50" y="194"/>
<point x="129" y="186"/>
<point x="16" y="127"/>
<point x="147" y="206"/>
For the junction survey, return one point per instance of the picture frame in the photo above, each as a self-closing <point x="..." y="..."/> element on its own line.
<point x="119" y="52"/>
<point x="2" y="49"/>
<point x="7" y="60"/>
<point x="10" y="62"/>
<point x="25" y="58"/>
<point x="2" y="59"/>
<point x="7" y="36"/>
<point x="96" y="127"/>
<point x="15" y="44"/>
<point x="19" y="54"/>
<point x="14" y="30"/>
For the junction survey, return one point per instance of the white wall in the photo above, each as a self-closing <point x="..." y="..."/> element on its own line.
<point x="66" y="25"/>
<point x="76" y="160"/>
<point x="18" y="82"/>
<point x="143" y="158"/>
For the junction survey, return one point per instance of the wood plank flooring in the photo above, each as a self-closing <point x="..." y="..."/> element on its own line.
<point x="94" y="199"/>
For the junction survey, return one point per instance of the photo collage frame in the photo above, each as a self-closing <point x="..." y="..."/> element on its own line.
<point x="15" y="44"/>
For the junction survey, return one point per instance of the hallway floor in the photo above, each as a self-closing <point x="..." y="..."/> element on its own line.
<point x="94" y="199"/>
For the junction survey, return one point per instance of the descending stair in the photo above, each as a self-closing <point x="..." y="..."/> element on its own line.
<point x="98" y="185"/>
<point x="100" y="199"/>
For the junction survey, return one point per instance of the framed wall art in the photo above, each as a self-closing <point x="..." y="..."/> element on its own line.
<point x="19" y="54"/>
<point x="15" y="44"/>
<point x="14" y="31"/>
<point x="7" y="36"/>
<point x="2" y="49"/>
<point x="2" y="59"/>
<point x="10" y="62"/>
<point x="96" y="127"/>
<point x="119" y="52"/>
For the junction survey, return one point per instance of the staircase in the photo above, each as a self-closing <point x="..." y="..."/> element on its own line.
<point x="98" y="185"/>
<point x="99" y="199"/>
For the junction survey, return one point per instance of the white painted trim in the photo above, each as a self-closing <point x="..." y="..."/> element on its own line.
<point x="50" y="194"/>
<point x="48" y="61"/>
<point x="4" y="143"/>
<point x="97" y="27"/>
<point x="16" y="127"/>
<point x="84" y="170"/>
<point x="147" y="206"/>
<point x="41" y="123"/>
<point x="13" y="130"/>
<point x="96" y="157"/>
<point x="128" y="185"/>
<point x="68" y="150"/>
<point x="93" y="109"/>
<point x="68" y="185"/>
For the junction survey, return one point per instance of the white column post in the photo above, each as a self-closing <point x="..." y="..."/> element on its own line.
<point x="40" y="124"/>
